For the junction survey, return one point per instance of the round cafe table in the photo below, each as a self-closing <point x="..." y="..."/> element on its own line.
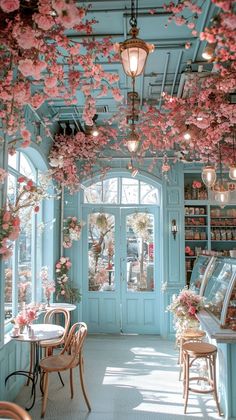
<point x="69" y="306"/>
<point x="34" y="335"/>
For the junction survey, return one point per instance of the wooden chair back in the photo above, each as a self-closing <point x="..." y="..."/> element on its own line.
<point x="13" y="411"/>
<point x="74" y="343"/>
<point x="50" y="316"/>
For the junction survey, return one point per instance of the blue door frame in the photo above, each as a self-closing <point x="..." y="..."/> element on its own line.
<point x="121" y="310"/>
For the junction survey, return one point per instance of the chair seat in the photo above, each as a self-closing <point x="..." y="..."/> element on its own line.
<point x="58" y="362"/>
<point x="195" y="349"/>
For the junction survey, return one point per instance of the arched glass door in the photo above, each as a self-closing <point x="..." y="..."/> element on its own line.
<point x="121" y="276"/>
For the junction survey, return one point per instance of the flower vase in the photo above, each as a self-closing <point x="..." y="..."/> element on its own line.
<point x="48" y="301"/>
<point x="21" y="329"/>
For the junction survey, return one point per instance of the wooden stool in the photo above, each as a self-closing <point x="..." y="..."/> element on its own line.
<point x="192" y="352"/>
<point x="189" y="336"/>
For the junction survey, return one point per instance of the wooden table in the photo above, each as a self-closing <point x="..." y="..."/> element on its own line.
<point x="34" y="335"/>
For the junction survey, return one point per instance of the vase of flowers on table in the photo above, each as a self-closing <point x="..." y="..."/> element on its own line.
<point x="184" y="307"/>
<point x="24" y="318"/>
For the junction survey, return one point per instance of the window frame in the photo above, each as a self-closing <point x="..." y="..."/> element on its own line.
<point x="34" y="234"/>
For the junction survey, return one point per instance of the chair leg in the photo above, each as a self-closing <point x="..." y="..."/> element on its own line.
<point x="45" y="395"/>
<point x="214" y="384"/>
<point x="71" y="384"/>
<point x="82" y="382"/>
<point x="186" y="386"/>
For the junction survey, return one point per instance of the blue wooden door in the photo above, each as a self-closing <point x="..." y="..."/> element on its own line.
<point x="120" y="269"/>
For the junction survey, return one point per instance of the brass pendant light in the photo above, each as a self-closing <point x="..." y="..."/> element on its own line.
<point x="134" y="51"/>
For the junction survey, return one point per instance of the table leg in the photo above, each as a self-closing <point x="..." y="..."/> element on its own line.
<point x="32" y="376"/>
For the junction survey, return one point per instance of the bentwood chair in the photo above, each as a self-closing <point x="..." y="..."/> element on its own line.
<point x="69" y="358"/>
<point x="51" y="314"/>
<point x="13" y="411"/>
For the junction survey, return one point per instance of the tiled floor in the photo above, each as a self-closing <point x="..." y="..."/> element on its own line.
<point x="128" y="377"/>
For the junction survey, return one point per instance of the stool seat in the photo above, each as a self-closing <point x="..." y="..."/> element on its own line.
<point x="191" y="352"/>
<point x="199" y="349"/>
<point x="190" y="333"/>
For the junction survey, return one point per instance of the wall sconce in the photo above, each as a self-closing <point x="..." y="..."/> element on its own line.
<point x="174" y="228"/>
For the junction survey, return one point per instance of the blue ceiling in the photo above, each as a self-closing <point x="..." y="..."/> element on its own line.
<point x="165" y="66"/>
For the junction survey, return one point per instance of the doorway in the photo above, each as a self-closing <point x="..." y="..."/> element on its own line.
<point x="121" y="268"/>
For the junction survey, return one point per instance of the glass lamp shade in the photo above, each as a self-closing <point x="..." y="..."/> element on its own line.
<point x="133" y="53"/>
<point x="209" y="176"/>
<point x="221" y="193"/>
<point x="132" y="142"/>
<point x="232" y="172"/>
<point x="208" y="52"/>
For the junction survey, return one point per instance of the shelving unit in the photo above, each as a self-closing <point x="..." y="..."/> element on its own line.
<point x="207" y="226"/>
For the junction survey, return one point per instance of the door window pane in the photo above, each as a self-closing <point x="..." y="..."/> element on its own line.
<point x="140" y="252"/>
<point x="110" y="191"/>
<point x="101" y="244"/>
<point x="130" y="191"/>
<point x="93" y="194"/>
<point x="148" y="194"/>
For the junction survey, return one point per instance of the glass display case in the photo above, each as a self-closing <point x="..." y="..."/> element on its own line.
<point x="200" y="269"/>
<point x="219" y="290"/>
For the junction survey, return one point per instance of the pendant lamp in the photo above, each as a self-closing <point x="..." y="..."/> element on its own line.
<point x="209" y="175"/>
<point x="232" y="168"/>
<point x="221" y="188"/>
<point x="134" y="51"/>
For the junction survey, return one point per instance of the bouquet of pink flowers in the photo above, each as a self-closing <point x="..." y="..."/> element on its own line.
<point x="25" y="317"/>
<point x="184" y="308"/>
<point x="64" y="288"/>
<point x="72" y="231"/>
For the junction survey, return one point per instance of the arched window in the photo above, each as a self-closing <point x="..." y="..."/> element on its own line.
<point x="121" y="190"/>
<point x="22" y="268"/>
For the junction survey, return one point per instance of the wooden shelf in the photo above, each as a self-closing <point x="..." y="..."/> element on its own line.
<point x="223" y="226"/>
<point x="196" y="226"/>
<point x="195" y="240"/>
<point x="190" y="256"/>
<point x="195" y="215"/>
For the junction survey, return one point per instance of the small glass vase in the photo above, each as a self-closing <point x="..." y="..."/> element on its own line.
<point x="21" y="329"/>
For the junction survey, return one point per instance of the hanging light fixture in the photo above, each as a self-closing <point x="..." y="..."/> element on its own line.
<point x="209" y="175"/>
<point x="134" y="51"/>
<point x="187" y="134"/>
<point x="208" y="52"/>
<point x="132" y="141"/>
<point x="232" y="168"/>
<point x="221" y="188"/>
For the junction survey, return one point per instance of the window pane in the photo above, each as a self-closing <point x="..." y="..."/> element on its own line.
<point x="110" y="189"/>
<point x="130" y="191"/>
<point x="93" y="194"/>
<point x="11" y="188"/>
<point x="8" y="288"/>
<point x="149" y="194"/>
<point x="140" y="252"/>
<point x="101" y="242"/>
<point x="26" y="168"/>
<point x="12" y="160"/>
<point x="24" y="258"/>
